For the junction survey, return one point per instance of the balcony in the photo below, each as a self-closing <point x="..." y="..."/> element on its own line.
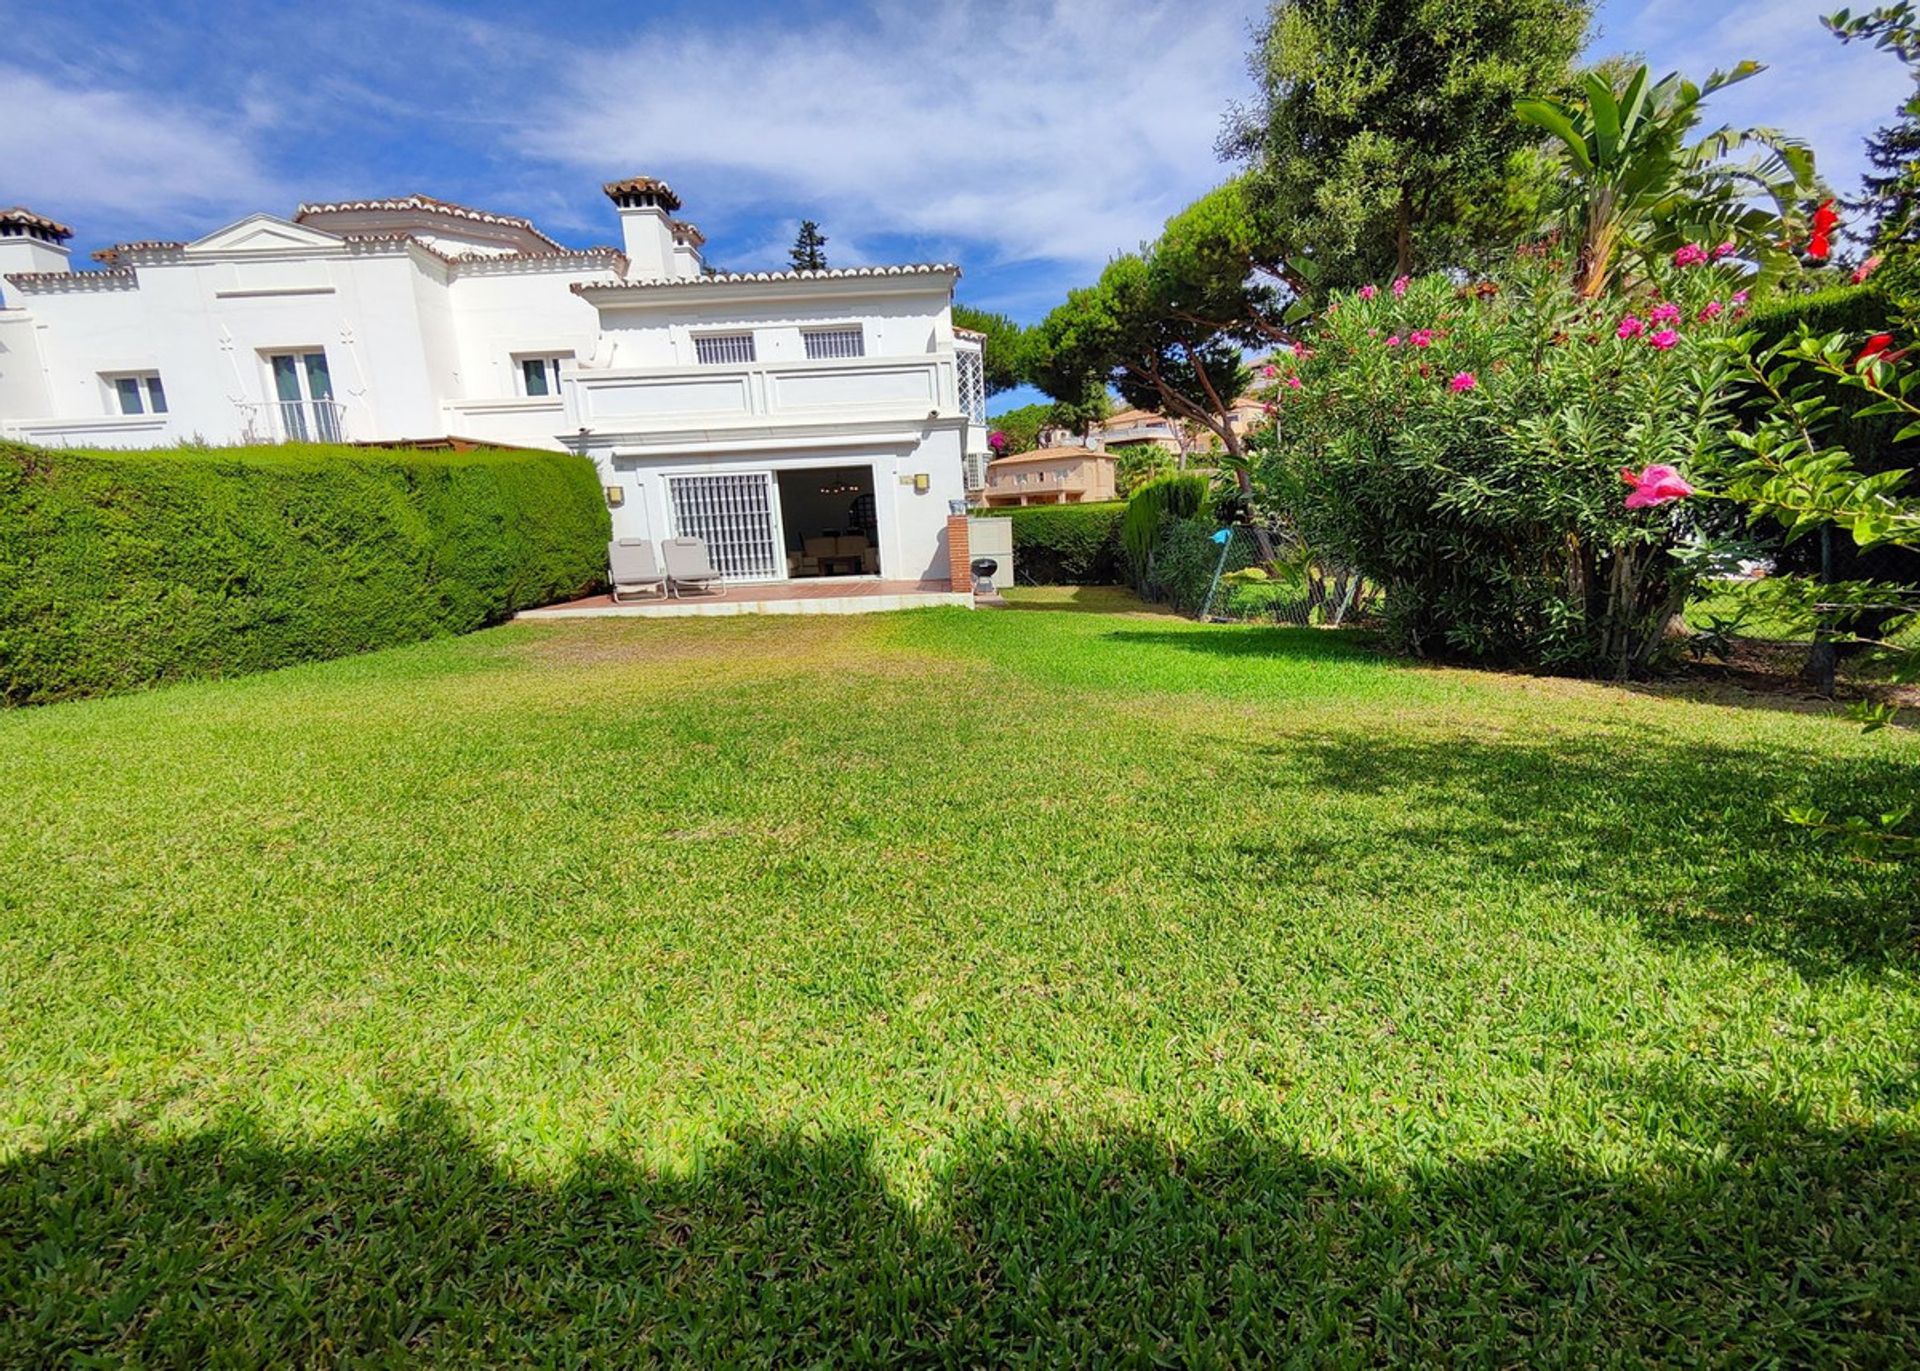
<point x="756" y="394"/>
<point x="293" y="421"/>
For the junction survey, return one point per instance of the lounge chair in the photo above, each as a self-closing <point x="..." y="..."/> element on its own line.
<point x="689" y="568"/>
<point x="631" y="568"/>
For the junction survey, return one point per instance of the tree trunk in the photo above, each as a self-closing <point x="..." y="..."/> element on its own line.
<point x="1403" y="234"/>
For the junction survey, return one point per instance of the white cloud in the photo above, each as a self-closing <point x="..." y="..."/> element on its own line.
<point x="1065" y="132"/>
<point x="67" y="151"/>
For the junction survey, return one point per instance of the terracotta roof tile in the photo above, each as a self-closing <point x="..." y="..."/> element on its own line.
<point x="21" y="217"/>
<point x="725" y="278"/>
<point x="643" y="185"/>
<point x="432" y="206"/>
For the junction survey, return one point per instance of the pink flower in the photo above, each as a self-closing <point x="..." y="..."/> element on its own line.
<point x="1462" y="381"/>
<point x="1711" y="310"/>
<point x="1666" y="312"/>
<point x="1269" y="372"/>
<point x="1726" y="249"/>
<point x="1739" y="297"/>
<point x="1367" y="291"/>
<point x="1630" y="327"/>
<point x="1421" y="337"/>
<point x="1400" y="284"/>
<point x="1691" y="255"/>
<point x="1293" y="383"/>
<point x="1865" y="269"/>
<point x="1657" y="485"/>
<point x="1663" y="340"/>
<point x="1393" y="340"/>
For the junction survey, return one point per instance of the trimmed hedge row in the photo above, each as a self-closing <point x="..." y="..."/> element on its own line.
<point x="127" y="569"/>
<point x="1067" y="545"/>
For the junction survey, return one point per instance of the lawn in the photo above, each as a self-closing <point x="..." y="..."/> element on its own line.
<point x="948" y="987"/>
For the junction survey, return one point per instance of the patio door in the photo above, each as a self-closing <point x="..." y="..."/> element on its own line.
<point x="303" y="390"/>
<point x="735" y="516"/>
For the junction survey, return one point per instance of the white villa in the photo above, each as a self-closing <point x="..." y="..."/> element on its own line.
<point x="774" y="414"/>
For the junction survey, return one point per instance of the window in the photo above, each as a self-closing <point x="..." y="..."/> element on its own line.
<point x="825" y="343"/>
<point x="1020" y="479"/>
<point x="139" y="394"/>
<point x="973" y="383"/>
<point x="723" y="349"/>
<point x="539" y="376"/>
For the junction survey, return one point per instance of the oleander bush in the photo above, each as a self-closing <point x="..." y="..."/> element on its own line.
<point x="1067" y="545"/>
<point x="127" y="569"/>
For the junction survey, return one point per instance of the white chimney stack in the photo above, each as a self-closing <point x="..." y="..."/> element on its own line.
<point x="31" y="242"/>
<point x="646" y="225"/>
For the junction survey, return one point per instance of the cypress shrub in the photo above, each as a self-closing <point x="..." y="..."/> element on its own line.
<point x="1067" y="545"/>
<point x="1151" y="508"/>
<point x="127" y="569"/>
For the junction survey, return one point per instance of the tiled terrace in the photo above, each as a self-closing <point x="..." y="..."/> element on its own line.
<point x="824" y="595"/>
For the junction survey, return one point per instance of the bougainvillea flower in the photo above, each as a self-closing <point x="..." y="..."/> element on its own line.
<point x="1657" y="485"/>
<point x="1876" y="345"/>
<point x="1367" y="291"/>
<point x="1663" y="340"/>
<point x="1421" y="337"/>
<point x="1866" y="269"/>
<point x="1393" y="340"/>
<point x="1666" y="312"/>
<point x="1463" y="380"/>
<point x="1690" y="255"/>
<point x="1400" y="284"/>
<point x="1726" y="249"/>
<point x="1630" y="327"/>
<point x="1711" y="310"/>
<point x="1825" y="220"/>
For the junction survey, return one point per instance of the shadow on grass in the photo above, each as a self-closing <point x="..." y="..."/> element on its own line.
<point x="1085" y="600"/>
<point x="1240" y="642"/>
<point x="1778" y="1241"/>
<point x="1684" y="836"/>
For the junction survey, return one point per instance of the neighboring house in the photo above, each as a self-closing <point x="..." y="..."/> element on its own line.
<point x="1130" y="426"/>
<point x="1051" y="476"/>
<point x="756" y="410"/>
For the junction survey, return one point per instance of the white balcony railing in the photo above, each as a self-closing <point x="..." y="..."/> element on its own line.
<point x="790" y="392"/>
<point x="295" y="421"/>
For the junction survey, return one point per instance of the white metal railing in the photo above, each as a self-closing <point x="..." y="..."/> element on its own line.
<point x="723" y="349"/>
<point x="834" y="344"/>
<point x="295" y="421"/>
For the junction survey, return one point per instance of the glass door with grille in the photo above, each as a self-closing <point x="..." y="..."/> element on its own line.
<point x="736" y="516"/>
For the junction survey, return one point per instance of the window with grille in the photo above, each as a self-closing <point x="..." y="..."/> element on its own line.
<point x="733" y="515"/>
<point x="835" y="342"/>
<point x="973" y="384"/>
<point x="723" y="349"/>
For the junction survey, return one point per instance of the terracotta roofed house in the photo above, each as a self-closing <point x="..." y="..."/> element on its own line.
<point x="1051" y="476"/>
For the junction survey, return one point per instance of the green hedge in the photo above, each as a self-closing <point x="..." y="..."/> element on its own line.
<point x="1855" y="309"/>
<point x="128" y="569"/>
<point x="1067" y="545"/>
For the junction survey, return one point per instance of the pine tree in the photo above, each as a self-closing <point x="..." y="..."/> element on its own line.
<point x="1889" y="200"/>
<point x="809" y="248"/>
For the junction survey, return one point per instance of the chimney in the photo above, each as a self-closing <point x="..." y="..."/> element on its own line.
<point x="646" y="224"/>
<point x="30" y="242"/>
<point x="687" y="242"/>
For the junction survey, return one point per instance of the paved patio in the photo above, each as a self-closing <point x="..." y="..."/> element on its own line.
<point x="825" y="595"/>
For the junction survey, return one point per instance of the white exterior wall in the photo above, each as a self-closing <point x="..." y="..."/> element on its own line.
<point x="419" y="348"/>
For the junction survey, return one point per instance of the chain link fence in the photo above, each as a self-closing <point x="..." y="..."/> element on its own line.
<point x="1266" y="576"/>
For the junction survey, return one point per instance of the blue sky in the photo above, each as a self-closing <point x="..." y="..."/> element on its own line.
<point x="1028" y="142"/>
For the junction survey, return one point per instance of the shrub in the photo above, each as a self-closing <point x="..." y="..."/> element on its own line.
<point x="1184" y="558"/>
<point x="127" y="569"/>
<point x="1152" y="508"/>
<point x="1461" y="445"/>
<point x="1068" y="545"/>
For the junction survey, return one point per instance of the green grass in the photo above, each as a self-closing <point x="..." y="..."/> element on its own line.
<point x="948" y="987"/>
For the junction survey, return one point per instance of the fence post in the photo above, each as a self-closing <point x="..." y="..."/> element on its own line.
<point x="1225" y="538"/>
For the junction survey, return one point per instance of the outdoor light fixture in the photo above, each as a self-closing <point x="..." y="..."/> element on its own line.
<point x="922" y="483"/>
<point x="616" y="496"/>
